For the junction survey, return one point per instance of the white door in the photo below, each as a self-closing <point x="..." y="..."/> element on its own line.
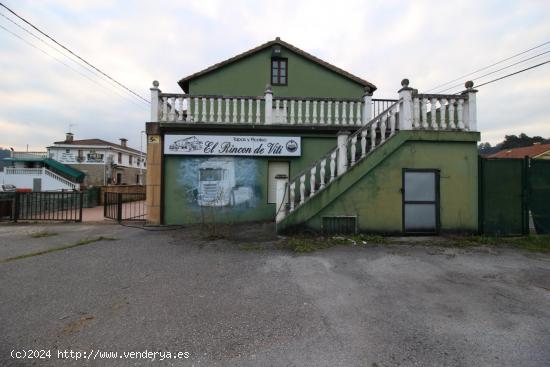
<point x="274" y="169"/>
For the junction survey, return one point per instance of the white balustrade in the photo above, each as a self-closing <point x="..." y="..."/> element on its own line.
<point x="433" y="114"/>
<point x="312" y="178"/>
<point x="333" y="165"/>
<point x="364" y="143"/>
<point x="353" y="149"/>
<point x="314" y="117"/>
<point x="306" y="119"/>
<point x="373" y="135"/>
<point x="258" y="113"/>
<point x="424" y="109"/>
<point x="442" y="113"/>
<point x="452" y="114"/>
<point x="292" y="195"/>
<point x="302" y="189"/>
<point x="322" y="174"/>
<point x="234" y="111"/>
<point x="460" y="117"/>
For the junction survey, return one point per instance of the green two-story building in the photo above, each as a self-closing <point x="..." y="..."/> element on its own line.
<point x="275" y="133"/>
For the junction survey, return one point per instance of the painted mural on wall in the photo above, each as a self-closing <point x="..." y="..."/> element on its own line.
<point x="225" y="182"/>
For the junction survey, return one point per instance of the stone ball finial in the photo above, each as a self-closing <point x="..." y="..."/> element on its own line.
<point x="405" y="83"/>
<point x="156" y="83"/>
<point x="268" y="87"/>
<point x="469" y="84"/>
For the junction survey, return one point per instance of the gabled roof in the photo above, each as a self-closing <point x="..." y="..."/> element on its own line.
<point x="184" y="82"/>
<point x="96" y="142"/>
<point x="532" y="151"/>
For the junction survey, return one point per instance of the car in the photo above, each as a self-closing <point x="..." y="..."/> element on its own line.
<point x="7" y="188"/>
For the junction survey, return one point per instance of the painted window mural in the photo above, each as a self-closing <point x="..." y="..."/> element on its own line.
<point x="220" y="181"/>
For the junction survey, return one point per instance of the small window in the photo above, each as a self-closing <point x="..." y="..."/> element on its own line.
<point x="279" y="71"/>
<point x="67" y="150"/>
<point x="119" y="158"/>
<point x="130" y="159"/>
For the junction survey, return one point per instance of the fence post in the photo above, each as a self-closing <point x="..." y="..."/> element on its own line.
<point x="406" y="106"/>
<point x="16" y="207"/>
<point x="105" y="204"/>
<point x="80" y="208"/>
<point x="119" y="206"/>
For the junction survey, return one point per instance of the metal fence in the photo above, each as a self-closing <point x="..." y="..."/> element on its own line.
<point x="124" y="206"/>
<point x="41" y="206"/>
<point x="510" y="190"/>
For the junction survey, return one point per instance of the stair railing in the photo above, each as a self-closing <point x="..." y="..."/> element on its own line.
<point x="413" y="111"/>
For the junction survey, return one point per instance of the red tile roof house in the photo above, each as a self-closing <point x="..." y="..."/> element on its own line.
<point x="535" y="151"/>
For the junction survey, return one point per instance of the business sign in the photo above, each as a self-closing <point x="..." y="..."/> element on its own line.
<point x="266" y="146"/>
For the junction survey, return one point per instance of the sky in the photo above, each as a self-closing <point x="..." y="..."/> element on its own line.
<point x="136" y="42"/>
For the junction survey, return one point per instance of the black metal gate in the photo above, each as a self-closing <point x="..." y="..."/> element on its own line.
<point x="41" y="206"/>
<point x="124" y="206"/>
<point x="503" y="197"/>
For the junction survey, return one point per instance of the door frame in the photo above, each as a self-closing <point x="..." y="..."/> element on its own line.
<point x="437" y="174"/>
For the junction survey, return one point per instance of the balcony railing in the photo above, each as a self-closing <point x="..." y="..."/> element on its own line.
<point x="27" y="155"/>
<point x="264" y="110"/>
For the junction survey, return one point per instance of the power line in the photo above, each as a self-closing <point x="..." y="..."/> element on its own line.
<point x="83" y="66"/>
<point x="64" y="63"/>
<point x="509" y="75"/>
<point x="496" y="71"/>
<point x="488" y="66"/>
<point x="517" y="72"/>
<point x="72" y="53"/>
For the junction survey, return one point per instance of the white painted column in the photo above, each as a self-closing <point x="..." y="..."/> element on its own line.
<point x="405" y="106"/>
<point x="367" y="107"/>
<point x="472" y="108"/>
<point x="155" y="108"/>
<point x="268" y="96"/>
<point x="281" y="196"/>
<point x="341" y="142"/>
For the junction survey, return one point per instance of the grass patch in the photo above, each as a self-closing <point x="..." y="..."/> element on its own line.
<point x="42" y="234"/>
<point x="535" y="243"/>
<point x="251" y="247"/>
<point x="305" y="244"/>
<point x="76" y="244"/>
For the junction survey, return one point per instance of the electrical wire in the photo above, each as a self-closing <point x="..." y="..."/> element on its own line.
<point x="66" y="65"/>
<point x="512" y="74"/>
<point x="73" y="53"/>
<point x="496" y="71"/>
<point x="83" y="66"/>
<point x="488" y="66"/>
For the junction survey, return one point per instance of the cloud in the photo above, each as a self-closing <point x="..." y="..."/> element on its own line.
<point x="140" y="41"/>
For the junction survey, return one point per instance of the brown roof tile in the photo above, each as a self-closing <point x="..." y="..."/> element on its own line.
<point x="531" y="151"/>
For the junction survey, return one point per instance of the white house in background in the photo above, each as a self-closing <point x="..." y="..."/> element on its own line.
<point x="35" y="171"/>
<point x="103" y="162"/>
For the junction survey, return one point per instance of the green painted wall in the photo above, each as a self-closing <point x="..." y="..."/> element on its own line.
<point x="179" y="210"/>
<point x="249" y="77"/>
<point x="377" y="199"/>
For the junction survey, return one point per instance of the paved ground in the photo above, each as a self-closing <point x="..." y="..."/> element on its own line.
<point x="242" y="302"/>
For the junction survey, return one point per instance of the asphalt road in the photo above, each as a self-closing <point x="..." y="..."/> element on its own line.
<point x="242" y="302"/>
